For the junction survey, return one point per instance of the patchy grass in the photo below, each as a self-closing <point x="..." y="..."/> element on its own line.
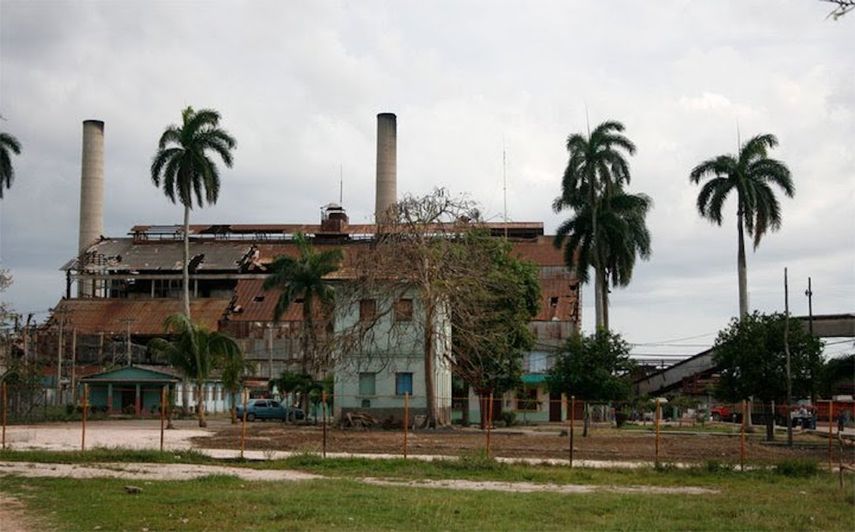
<point x="226" y="503"/>
<point x="104" y="454"/>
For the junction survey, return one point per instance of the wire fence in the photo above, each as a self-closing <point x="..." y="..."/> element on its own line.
<point x="564" y="430"/>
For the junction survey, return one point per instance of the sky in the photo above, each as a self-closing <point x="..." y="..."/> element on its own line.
<point x="299" y="85"/>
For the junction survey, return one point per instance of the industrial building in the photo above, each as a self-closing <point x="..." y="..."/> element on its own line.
<point x="119" y="289"/>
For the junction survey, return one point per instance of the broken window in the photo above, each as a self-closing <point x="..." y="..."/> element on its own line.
<point x="404" y="310"/>
<point x="367" y="310"/>
<point x="527" y="399"/>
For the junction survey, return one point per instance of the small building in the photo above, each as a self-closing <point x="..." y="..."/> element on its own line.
<point x="136" y="390"/>
<point x="130" y="390"/>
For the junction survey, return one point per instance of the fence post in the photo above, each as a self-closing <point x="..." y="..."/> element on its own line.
<point x="324" y="407"/>
<point x="572" y="425"/>
<point x="657" y="416"/>
<point x="85" y="409"/>
<point x="840" y="458"/>
<point x="489" y="421"/>
<point x="243" y="425"/>
<point x="406" y="420"/>
<point x="742" y="439"/>
<point x="163" y="400"/>
<point x="5" y="408"/>
<point x="830" y="435"/>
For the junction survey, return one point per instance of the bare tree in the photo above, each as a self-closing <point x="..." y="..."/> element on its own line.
<point x="841" y="7"/>
<point x="416" y="250"/>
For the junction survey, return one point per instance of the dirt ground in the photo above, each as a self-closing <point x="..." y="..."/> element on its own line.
<point x="544" y="442"/>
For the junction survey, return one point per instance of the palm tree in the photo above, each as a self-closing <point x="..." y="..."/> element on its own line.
<point x="750" y="173"/>
<point x="596" y="168"/>
<point x="182" y="163"/>
<point x="195" y="351"/>
<point x="623" y="237"/>
<point x="8" y="144"/>
<point x="234" y="367"/>
<point x="303" y="278"/>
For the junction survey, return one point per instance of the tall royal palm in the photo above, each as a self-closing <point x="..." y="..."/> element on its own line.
<point x="596" y="168"/>
<point x="8" y="146"/>
<point x="751" y="174"/>
<point x="624" y="236"/>
<point x="195" y="352"/>
<point x="303" y="278"/>
<point x="183" y="166"/>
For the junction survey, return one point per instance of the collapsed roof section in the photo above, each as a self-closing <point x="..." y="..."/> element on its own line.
<point x="142" y="317"/>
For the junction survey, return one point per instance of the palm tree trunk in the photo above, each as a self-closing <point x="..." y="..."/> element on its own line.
<point x="233" y="409"/>
<point x="742" y="269"/>
<point x="200" y="404"/>
<point x="598" y="274"/>
<point x="185" y="271"/>
<point x="308" y="337"/>
<point x="605" y="302"/>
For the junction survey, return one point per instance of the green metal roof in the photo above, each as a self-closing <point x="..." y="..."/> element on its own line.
<point x="534" y="378"/>
<point x="132" y="374"/>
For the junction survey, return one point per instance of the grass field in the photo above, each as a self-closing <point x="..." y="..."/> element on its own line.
<point x="791" y="497"/>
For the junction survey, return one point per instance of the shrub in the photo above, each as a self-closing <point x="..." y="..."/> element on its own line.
<point x="714" y="466"/>
<point x="797" y="467"/>
<point x="509" y="418"/>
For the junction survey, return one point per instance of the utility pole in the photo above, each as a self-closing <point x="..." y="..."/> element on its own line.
<point x="270" y="352"/>
<point x="59" y="350"/>
<point x="74" y="366"/>
<point x="128" y="322"/>
<point x="787" y="351"/>
<point x="809" y="294"/>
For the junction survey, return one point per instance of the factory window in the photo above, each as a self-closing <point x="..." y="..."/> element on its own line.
<point x="527" y="399"/>
<point x="404" y="310"/>
<point x="367" y="383"/>
<point x="403" y="383"/>
<point x="258" y="299"/>
<point x="553" y="301"/>
<point x="367" y="310"/>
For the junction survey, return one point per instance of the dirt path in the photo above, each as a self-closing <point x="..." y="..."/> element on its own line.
<point x="142" y="471"/>
<point x="12" y="515"/>
<point x="531" y="487"/>
<point x="190" y="471"/>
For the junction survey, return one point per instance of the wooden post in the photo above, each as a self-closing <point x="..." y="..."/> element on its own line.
<point x="85" y="409"/>
<point x="489" y="421"/>
<point x="830" y="435"/>
<point x="324" y="410"/>
<point x="243" y="425"/>
<point x="656" y="416"/>
<point x="74" y="366"/>
<point x="5" y="408"/>
<point x="742" y="438"/>
<point x="840" y="458"/>
<point x="572" y="423"/>
<point x="163" y="400"/>
<point x="406" y="420"/>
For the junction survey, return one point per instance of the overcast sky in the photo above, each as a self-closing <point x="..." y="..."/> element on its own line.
<point x="299" y="85"/>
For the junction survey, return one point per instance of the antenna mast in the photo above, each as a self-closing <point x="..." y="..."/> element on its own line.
<point x="505" y="186"/>
<point x="340" y="185"/>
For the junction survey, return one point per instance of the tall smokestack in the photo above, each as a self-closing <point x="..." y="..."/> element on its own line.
<point x="91" y="192"/>
<point x="387" y="165"/>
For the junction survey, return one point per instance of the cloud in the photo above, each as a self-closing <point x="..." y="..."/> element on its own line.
<point x="299" y="85"/>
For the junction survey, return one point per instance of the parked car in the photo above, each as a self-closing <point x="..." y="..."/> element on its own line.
<point x="269" y="409"/>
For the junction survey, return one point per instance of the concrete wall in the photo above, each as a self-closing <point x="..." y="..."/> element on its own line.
<point x="390" y="347"/>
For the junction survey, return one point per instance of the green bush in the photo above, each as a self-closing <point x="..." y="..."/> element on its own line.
<point x="509" y="418"/>
<point x="797" y="467"/>
<point x="714" y="466"/>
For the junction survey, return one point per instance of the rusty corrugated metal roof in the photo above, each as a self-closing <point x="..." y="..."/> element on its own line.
<point x="128" y="255"/>
<point x="97" y="315"/>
